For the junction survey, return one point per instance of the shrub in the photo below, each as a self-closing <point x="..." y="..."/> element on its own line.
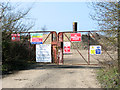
<point x="14" y="56"/>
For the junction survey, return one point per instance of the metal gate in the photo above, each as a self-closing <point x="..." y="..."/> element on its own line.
<point x="49" y="37"/>
<point x="80" y="51"/>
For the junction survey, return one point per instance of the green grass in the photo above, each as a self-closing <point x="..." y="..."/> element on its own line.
<point x="108" y="77"/>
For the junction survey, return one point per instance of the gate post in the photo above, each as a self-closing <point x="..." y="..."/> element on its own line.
<point x="60" y="48"/>
<point x="54" y="47"/>
<point x="88" y="48"/>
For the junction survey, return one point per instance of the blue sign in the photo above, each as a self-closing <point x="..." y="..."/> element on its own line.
<point x="95" y="50"/>
<point x="98" y="50"/>
<point x="36" y="42"/>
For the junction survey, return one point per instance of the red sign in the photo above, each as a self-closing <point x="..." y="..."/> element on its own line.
<point x="66" y="47"/>
<point x="75" y="36"/>
<point x="36" y="39"/>
<point x="15" y="37"/>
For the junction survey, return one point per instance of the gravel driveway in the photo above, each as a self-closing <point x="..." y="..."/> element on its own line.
<point x="53" y="76"/>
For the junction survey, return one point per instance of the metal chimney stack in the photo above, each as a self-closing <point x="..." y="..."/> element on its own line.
<point x="74" y="26"/>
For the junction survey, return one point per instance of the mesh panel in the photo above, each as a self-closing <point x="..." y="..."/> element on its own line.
<point x="80" y="51"/>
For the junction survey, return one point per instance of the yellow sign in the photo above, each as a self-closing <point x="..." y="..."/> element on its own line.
<point x="95" y="49"/>
<point x="36" y="36"/>
<point x="92" y="51"/>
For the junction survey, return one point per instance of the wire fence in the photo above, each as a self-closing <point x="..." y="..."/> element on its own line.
<point x="80" y="53"/>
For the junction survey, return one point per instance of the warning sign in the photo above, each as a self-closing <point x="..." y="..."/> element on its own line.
<point x="75" y="37"/>
<point x="43" y="53"/>
<point x="36" y="38"/>
<point x="95" y="49"/>
<point x="15" y="37"/>
<point x="66" y="47"/>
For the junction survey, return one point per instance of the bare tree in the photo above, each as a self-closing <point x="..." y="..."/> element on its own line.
<point x="106" y="15"/>
<point x="13" y="20"/>
<point x="44" y="28"/>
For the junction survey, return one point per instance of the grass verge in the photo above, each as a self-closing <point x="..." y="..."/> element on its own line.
<point x="108" y="77"/>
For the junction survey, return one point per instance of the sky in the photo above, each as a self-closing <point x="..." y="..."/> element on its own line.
<point x="59" y="16"/>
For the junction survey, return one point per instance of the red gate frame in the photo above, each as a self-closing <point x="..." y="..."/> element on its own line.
<point x="57" y="41"/>
<point x="89" y="32"/>
<point x="53" y="42"/>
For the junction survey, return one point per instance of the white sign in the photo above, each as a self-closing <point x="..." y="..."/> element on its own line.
<point x="43" y="53"/>
<point x="95" y="49"/>
<point x="66" y="47"/>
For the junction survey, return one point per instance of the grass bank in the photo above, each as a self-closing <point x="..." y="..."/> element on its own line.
<point x="108" y="77"/>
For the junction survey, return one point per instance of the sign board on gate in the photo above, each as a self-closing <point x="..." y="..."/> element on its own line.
<point x="36" y="38"/>
<point x="66" y="47"/>
<point x="15" y="37"/>
<point x="95" y="49"/>
<point x="75" y="37"/>
<point x="43" y="52"/>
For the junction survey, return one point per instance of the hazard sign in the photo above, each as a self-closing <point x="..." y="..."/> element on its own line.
<point x="43" y="53"/>
<point x="36" y="38"/>
<point x="75" y="37"/>
<point x="66" y="47"/>
<point x="95" y="49"/>
<point x="15" y="37"/>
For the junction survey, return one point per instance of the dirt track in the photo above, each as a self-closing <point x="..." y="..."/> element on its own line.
<point x="53" y="76"/>
<point x="62" y="76"/>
